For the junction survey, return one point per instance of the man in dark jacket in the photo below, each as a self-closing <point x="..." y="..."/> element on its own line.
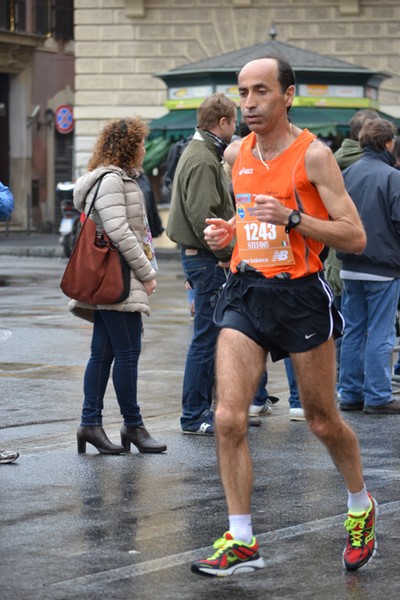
<point x="201" y="190"/>
<point x="153" y="216"/>
<point x="371" y="280"/>
<point x="350" y="150"/>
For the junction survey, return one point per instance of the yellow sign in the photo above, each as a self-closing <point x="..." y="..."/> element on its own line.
<point x="335" y="102"/>
<point x="183" y="104"/>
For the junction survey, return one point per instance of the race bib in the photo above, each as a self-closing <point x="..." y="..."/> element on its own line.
<point x="260" y="244"/>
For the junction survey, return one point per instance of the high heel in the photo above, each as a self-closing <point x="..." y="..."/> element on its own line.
<point x="140" y="437"/>
<point x="96" y="436"/>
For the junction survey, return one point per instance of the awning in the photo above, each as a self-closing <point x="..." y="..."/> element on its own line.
<point x="323" y="121"/>
<point x="175" y="125"/>
<point x="328" y="121"/>
<point x="179" y="124"/>
<point x="156" y="152"/>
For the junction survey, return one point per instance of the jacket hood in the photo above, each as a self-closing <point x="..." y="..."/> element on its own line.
<point x="348" y="153"/>
<point x="86" y="183"/>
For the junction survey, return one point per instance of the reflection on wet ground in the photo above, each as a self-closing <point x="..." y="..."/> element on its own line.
<point x="126" y="527"/>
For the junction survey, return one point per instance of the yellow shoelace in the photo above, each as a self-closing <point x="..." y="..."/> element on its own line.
<point x="355" y="527"/>
<point x="222" y="544"/>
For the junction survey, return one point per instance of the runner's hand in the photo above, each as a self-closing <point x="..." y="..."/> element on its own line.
<point x="269" y="210"/>
<point x="219" y="233"/>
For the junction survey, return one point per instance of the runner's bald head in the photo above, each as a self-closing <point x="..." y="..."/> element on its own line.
<point x="272" y="64"/>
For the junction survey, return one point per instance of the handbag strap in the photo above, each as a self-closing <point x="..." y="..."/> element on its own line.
<point x="98" y="181"/>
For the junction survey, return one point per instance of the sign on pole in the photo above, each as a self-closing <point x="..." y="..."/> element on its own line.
<point x="64" y="119"/>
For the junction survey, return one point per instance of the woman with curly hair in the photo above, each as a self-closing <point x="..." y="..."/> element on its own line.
<point x="119" y="210"/>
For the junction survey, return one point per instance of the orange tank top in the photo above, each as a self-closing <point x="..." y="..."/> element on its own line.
<point x="264" y="246"/>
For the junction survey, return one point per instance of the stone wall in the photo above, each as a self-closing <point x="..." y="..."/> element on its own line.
<point x="121" y="44"/>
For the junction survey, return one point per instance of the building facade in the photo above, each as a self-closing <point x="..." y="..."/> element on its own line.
<point x="100" y="59"/>
<point x="36" y="77"/>
<point x="122" y="44"/>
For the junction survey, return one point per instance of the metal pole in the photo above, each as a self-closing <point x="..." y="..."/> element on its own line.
<point x="28" y="214"/>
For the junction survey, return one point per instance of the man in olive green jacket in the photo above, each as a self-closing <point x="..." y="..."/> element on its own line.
<point x="201" y="190"/>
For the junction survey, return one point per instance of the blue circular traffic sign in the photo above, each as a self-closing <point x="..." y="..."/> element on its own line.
<point x="64" y="119"/>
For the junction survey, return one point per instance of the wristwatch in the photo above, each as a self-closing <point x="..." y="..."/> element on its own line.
<point x="294" y="220"/>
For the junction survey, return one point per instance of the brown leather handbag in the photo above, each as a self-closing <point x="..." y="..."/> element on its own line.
<point x="96" y="272"/>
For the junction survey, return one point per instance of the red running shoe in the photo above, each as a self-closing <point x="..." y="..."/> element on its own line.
<point x="231" y="557"/>
<point x="361" y="544"/>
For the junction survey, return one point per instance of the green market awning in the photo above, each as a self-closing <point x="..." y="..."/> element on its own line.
<point x="328" y="121"/>
<point x="179" y="124"/>
<point x="175" y="125"/>
<point x="321" y="121"/>
<point x="156" y="152"/>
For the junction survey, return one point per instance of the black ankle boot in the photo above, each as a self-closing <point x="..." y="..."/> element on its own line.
<point x="96" y="436"/>
<point x="140" y="437"/>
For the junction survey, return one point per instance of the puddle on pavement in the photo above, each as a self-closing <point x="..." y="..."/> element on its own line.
<point x="5" y="334"/>
<point x="23" y="279"/>
<point x="40" y="371"/>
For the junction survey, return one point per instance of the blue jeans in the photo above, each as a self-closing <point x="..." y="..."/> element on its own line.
<point x="397" y="365"/>
<point x="294" y="398"/>
<point x="117" y="337"/>
<point x="261" y="395"/>
<point x="206" y="280"/>
<point x="369" y="310"/>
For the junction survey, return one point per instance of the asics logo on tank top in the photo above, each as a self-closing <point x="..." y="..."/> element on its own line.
<point x="244" y="171"/>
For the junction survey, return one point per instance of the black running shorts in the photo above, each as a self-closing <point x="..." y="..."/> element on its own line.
<point x="281" y="315"/>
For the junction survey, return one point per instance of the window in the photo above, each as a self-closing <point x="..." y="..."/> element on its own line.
<point x="50" y="18"/>
<point x="13" y="15"/>
<point x="43" y="17"/>
<point x="64" y="20"/>
<point x="55" y="18"/>
<point x="19" y="15"/>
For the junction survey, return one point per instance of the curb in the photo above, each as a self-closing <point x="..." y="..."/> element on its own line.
<point x="57" y="252"/>
<point x="43" y="251"/>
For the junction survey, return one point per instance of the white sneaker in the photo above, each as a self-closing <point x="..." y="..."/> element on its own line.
<point x="7" y="456"/>
<point x="260" y="410"/>
<point x="296" y="414"/>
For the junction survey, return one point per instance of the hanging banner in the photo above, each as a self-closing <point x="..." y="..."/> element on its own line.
<point x="64" y="119"/>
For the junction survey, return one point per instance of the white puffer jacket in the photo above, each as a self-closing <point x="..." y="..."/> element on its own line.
<point x="119" y="210"/>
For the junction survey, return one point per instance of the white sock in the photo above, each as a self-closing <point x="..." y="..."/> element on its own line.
<point x="358" y="502"/>
<point x="241" y="528"/>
